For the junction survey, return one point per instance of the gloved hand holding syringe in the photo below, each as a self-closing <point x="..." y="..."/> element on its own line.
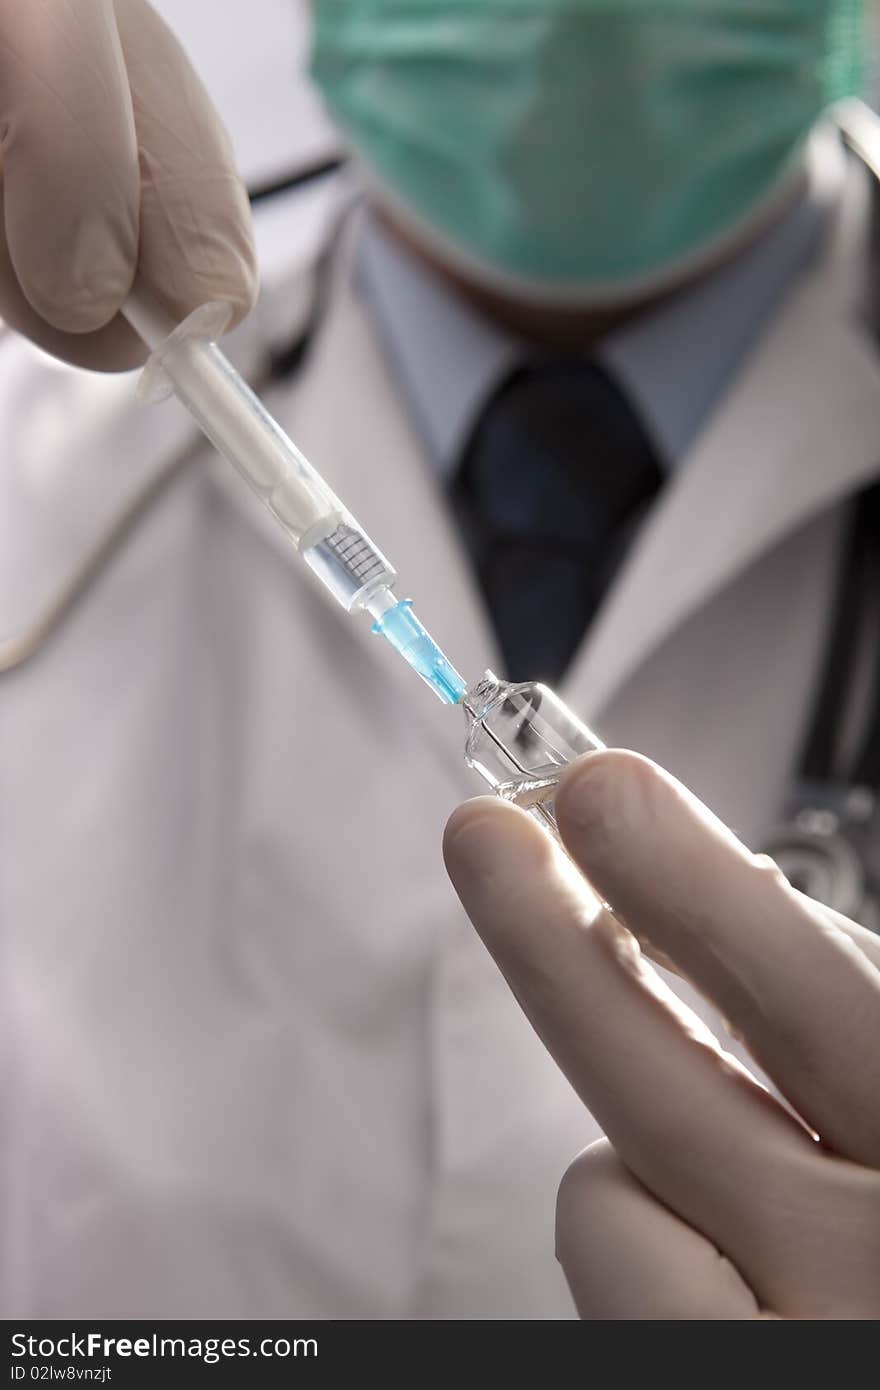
<point x="519" y="737"/>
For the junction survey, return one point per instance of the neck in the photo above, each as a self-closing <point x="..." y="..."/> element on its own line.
<point x="564" y="327"/>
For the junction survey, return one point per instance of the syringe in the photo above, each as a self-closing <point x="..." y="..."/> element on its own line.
<point x="186" y="361"/>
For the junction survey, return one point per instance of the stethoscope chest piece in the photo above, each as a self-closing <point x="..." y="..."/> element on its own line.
<point x="828" y="846"/>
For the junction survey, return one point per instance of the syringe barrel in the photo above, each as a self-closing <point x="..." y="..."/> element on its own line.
<point x="239" y="426"/>
<point x="188" y="361"/>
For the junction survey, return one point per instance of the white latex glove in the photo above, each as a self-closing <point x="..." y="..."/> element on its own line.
<point x="708" y="1199"/>
<point x="113" y="161"/>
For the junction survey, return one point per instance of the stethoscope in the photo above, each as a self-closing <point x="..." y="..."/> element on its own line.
<point x="828" y="843"/>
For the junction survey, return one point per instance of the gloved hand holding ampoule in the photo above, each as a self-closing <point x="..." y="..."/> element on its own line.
<point x="114" y="161"/>
<point x="707" y="1200"/>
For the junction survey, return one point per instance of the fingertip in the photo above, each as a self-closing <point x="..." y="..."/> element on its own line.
<point x="462" y="816"/>
<point x="241" y="298"/>
<point x="241" y="268"/>
<point x="79" y="285"/>
<point x="602" y="798"/>
<point x="215" y="261"/>
<point x="222" y="260"/>
<point x="490" y="847"/>
<point x="595" y="1166"/>
<point x="473" y="829"/>
<point x="81" y="314"/>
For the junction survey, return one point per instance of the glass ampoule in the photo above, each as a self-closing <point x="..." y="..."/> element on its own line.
<point x="519" y="739"/>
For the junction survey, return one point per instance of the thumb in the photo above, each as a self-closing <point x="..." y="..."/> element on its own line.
<point x="626" y="1255"/>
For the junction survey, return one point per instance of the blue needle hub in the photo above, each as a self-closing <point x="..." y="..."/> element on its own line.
<point x="400" y="626"/>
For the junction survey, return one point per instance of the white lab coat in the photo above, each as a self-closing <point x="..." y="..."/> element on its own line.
<point x="254" y="1061"/>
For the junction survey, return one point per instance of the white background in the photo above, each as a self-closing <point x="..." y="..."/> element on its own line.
<point x="252" y="54"/>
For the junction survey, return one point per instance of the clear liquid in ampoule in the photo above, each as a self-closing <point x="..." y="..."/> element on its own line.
<point x="520" y="737"/>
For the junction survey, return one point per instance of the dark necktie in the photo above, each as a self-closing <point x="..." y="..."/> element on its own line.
<point x="554" y="479"/>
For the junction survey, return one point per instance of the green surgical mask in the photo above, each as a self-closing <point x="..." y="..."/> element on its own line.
<point x="585" y="148"/>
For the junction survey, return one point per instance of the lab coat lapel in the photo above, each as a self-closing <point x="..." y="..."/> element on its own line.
<point x="78" y="451"/>
<point x="798" y="430"/>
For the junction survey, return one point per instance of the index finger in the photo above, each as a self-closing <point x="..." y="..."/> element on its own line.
<point x="796" y="989"/>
